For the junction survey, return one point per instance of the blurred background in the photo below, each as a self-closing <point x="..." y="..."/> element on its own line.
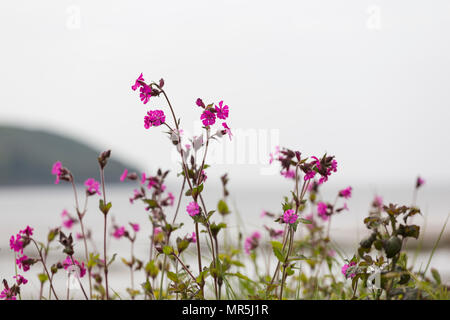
<point x="366" y="81"/>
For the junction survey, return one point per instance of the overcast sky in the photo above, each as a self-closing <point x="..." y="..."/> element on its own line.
<point x="367" y="81"/>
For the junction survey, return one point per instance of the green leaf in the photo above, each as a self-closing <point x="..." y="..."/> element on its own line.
<point x="300" y="257"/>
<point x="215" y="228"/>
<point x="393" y="246"/>
<point x="168" y="250"/>
<point x="436" y="276"/>
<point x="112" y="259"/>
<point x="152" y="269"/>
<point x="104" y="207"/>
<point x="277" y="248"/>
<point x="222" y="207"/>
<point x="172" y="276"/>
<point x="151" y="203"/>
<point x="305" y="221"/>
<point x="42" y="277"/>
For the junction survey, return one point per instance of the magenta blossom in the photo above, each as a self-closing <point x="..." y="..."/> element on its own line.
<point x="222" y="111"/>
<point x="227" y="130"/>
<point x="273" y="156"/>
<point x="345" y="270"/>
<point x="378" y="202"/>
<point x="193" y="238"/>
<point x="145" y="93"/>
<point x="193" y="209"/>
<point x="310" y="175"/>
<point x="56" y="170"/>
<point x="20" y="279"/>
<point x="420" y="182"/>
<point x="143" y="178"/>
<point x="322" y="211"/>
<point x="68" y="223"/>
<point x="154" y="118"/>
<point x="119" y="232"/>
<point x="138" y="82"/>
<point x="124" y="175"/>
<point x="208" y="118"/>
<point x="171" y="199"/>
<point x="157" y="231"/>
<point x="289" y="216"/>
<point x="16" y="244"/>
<point x="288" y="174"/>
<point x="28" y="231"/>
<point x="200" y="103"/>
<point x="346" y="193"/>
<point x="92" y="186"/>
<point x="135" y="226"/>
<point x="22" y="263"/>
<point x="7" y="294"/>
<point x="68" y="262"/>
<point x="252" y="242"/>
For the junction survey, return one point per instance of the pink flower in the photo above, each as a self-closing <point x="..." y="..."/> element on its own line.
<point x="92" y="186"/>
<point x="345" y="270"/>
<point x="171" y="199"/>
<point x="138" y="82"/>
<point x="193" y="209"/>
<point x="200" y="103"/>
<point x="289" y="216"/>
<point x="346" y="193"/>
<point x="68" y="262"/>
<point x="16" y="244"/>
<point x="146" y="93"/>
<point x="27" y="231"/>
<point x="8" y="294"/>
<point x="193" y="238"/>
<point x="151" y="183"/>
<point x="22" y="263"/>
<point x="79" y="236"/>
<point x="420" y="182"/>
<point x="252" y="242"/>
<point x="378" y="202"/>
<point x="124" y="175"/>
<point x="309" y="175"/>
<point x="288" y="174"/>
<point x="222" y="111"/>
<point x="56" y="170"/>
<point x="20" y="279"/>
<point x="275" y="154"/>
<point x="144" y="177"/>
<point x="157" y="231"/>
<point x="322" y="210"/>
<point x="208" y="118"/>
<point x="135" y="227"/>
<point x="68" y="223"/>
<point x="119" y="232"/>
<point x="154" y="118"/>
<point x="227" y="130"/>
<point x="263" y="214"/>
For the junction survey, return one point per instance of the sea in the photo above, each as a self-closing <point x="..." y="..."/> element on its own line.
<point x="41" y="206"/>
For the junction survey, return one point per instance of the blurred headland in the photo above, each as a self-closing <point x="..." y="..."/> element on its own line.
<point x="27" y="156"/>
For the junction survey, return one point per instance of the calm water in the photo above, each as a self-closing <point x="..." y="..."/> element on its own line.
<point x="40" y="207"/>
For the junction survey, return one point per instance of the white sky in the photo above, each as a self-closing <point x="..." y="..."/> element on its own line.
<point x="368" y="81"/>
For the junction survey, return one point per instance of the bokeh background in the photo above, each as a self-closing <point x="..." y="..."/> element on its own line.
<point x="366" y="81"/>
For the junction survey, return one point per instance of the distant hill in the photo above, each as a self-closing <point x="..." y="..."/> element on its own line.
<point x="27" y="156"/>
